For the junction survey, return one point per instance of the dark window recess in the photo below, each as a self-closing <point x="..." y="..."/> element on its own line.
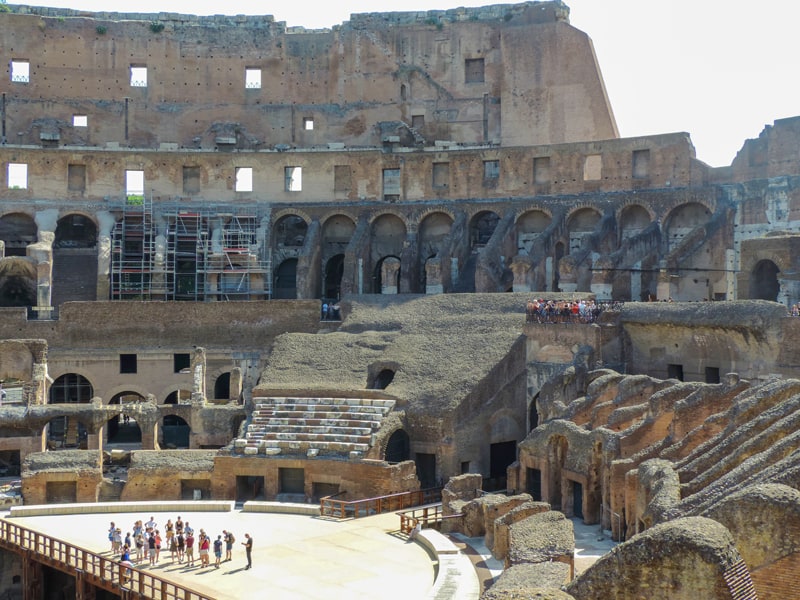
<point x="441" y="175"/>
<point x="383" y="380"/>
<point x="127" y="363"/>
<point x="712" y="374"/>
<point x="675" y="372"/>
<point x="473" y="70"/>
<point x="541" y="170"/>
<point x="191" y="180"/>
<point x="341" y="178"/>
<point x="76" y="178"/>
<point x="641" y="164"/>
<point x="181" y="361"/>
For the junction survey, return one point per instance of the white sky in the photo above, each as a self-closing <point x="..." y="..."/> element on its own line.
<point x="719" y="69"/>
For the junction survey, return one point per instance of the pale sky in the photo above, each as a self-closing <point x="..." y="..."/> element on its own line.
<point x="719" y="69"/>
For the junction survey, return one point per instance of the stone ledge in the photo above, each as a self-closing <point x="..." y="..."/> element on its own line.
<point x="121" y="507"/>
<point x="311" y="510"/>
<point x="456" y="577"/>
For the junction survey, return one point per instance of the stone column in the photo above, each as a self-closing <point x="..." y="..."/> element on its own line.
<point x="521" y="268"/>
<point x="105" y="224"/>
<point x="198" y="367"/>
<point x="433" y="277"/>
<point x="235" y="387"/>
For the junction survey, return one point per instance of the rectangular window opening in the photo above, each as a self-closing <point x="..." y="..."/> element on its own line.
<point x="491" y="172"/>
<point x="473" y="70"/>
<point x="244" y="179"/>
<point x="641" y="164"/>
<point x="80" y="121"/>
<point x="20" y="71"/>
<point x="138" y="76"/>
<point x="593" y="167"/>
<point x="391" y="185"/>
<point x="252" y="78"/>
<point x="17" y="176"/>
<point x="675" y="372"/>
<point x="417" y="121"/>
<point x="127" y="363"/>
<point x="76" y="178"/>
<point x="712" y="374"/>
<point x="191" y="180"/>
<point x="134" y="184"/>
<point x="441" y="175"/>
<point x="293" y="177"/>
<point x="541" y="170"/>
<point x="181" y="361"/>
<point x="308" y="123"/>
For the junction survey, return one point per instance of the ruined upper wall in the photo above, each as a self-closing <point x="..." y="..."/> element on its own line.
<point x="150" y="79"/>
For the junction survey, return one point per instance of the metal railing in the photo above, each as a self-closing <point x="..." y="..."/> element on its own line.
<point x="100" y="571"/>
<point x="426" y="516"/>
<point x="352" y="509"/>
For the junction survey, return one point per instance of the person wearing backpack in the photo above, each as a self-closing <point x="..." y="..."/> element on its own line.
<point x="229" y="540"/>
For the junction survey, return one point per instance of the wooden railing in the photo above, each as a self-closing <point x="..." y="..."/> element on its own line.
<point x="352" y="509"/>
<point x="426" y="516"/>
<point x="98" y="570"/>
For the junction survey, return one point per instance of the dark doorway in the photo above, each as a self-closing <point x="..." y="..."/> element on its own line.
<point x="383" y="380"/>
<point x="249" y="487"/>
<point x="334" y="271"/>
<point x="174" y="432"/>
<point x="285" y="283"/>
<point x="292" y="481"/>
<point x="398" y="448"/>
<point x="320" y="490"/>
<point x="712" y="374"/>
<point x="675" y="372"/>
<point x="577" y="500"/>
<point x="426" y="469"/>
<point x="222" y="387"/>
<point x="534" y="479"/>
<point x="501" y="455"/>
<point x="764" y="283"/>
<point x="533" y="413"/>
<point x="123" y="429"/>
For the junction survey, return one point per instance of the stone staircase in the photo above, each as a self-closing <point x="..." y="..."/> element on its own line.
<point x="737" y="577"/>
<point x="313" y="426"/>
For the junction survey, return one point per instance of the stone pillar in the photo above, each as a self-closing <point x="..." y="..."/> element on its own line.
<point x="521" y="267"/>
<point x="31" y="578"/>
<point x="198" y="366"/>
<point x="664" y="289"/>
<point x="105" y="224"/>
<point x="389" y="272"/>
<point x="433" y="277"/>
<point x="235" y="387"/>
<point x="42" y="255"/>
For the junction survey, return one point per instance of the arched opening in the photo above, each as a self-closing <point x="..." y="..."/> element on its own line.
<point x="382" y="380"/>
<point x="683" y="220"/>
<point x="403" y="92"/>
<point x="633" y="220"/>
<point x="530" y="226"/>
<point x="18" y="282"/>
<point x="387" y="276"/>
<point x="123" y="429"/>
<point x="398" y="448"/>
<point x="433" y="235"/>
<point x="174" y="433"/>
<point x="285" y="280"/>
<point x="764" y="284"/>
<point x="178" y="397"/>
<point x="74" y="260"/>
<point x="222" y="387"/>
<point x="290" y="232"/>
<point x="334" y="271"/>
<point x="533" y="414"/>
<point x="71" y="388"/>
<point x="65" y="431"/>
<point x="580" y="225"/>
<point x="482" y="227"/>
<point x="17" y="230"/>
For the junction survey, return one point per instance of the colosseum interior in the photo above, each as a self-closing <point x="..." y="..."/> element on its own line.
<point x="181" y="196"/>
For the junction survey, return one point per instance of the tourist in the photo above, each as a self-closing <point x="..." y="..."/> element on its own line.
<point x="173" y="548"/>
<point x="150" y="525"/>
<point x="189" y="548"/>
<point x="248" y="548"/>
<point x="181" y="542"/>
<point x="151" y="547"/>
<point x="116" y="541"/>
<point x="179" y="525"/>
<point x="217" y="551"/>
<point x="169" y="530"/>
<point x="205" y="543"/>
<point x="111" y="531"/>
<point x="157" y="538"/>
<point x="229" y="540"/>
<point x="139" y="547"/>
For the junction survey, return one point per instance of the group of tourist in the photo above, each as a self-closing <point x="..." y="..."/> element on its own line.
<point x="144" y="544"/>
<point x="330" y="311"/>
<point x="566" y="311"/>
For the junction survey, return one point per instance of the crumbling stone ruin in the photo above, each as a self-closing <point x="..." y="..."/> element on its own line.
<point x="180" y="196"/>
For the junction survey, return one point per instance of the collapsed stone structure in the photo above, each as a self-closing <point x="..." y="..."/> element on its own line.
<point x="158" y="168"/>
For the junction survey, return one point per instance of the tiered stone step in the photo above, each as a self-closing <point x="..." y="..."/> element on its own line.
<point x="314" y="425"/>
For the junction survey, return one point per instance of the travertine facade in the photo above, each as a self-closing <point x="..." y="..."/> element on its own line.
<point x="157" y="168"/>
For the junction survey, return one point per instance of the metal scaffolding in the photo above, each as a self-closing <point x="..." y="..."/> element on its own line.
<point x="133" y="251"/>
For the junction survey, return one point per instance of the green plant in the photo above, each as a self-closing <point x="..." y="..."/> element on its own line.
<point x="156" y="27"/>
<point x="101" y="29"/>
<point x="135" y="199"/>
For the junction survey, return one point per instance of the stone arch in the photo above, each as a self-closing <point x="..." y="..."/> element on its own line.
<point x="337" y="231"/>
<point x="530" y="225"/>
<point x="333" y="273"/>
<point x="18" y="282"/>
<point x="389" y="213"/>
<point x="633" y="219"/>
<point x="125" y="429"/>
<point x="481" y="227"/>
<point x="398" y="447"/>
<point x="682" y="220"/>
<point x="178" y="396"/>
<point x="18" y="230"/>
<point x="289" y="231"/>
<point x="70" y="388"/>
<point x="174" y="432"/>
<point x="17" y="361"/>
<point x="285" y="280"/>
<point x="386" y="276"/>
<point x="125" y="389"/>
<point x="432" y="230"/>
<point x="65" y="431"/>
<point x="764" y="284"/>
<point x="222" y="386"/>
<point x="74" y="259"/>
<point x="387" y="238"/>
<point x="581" y="222"/>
